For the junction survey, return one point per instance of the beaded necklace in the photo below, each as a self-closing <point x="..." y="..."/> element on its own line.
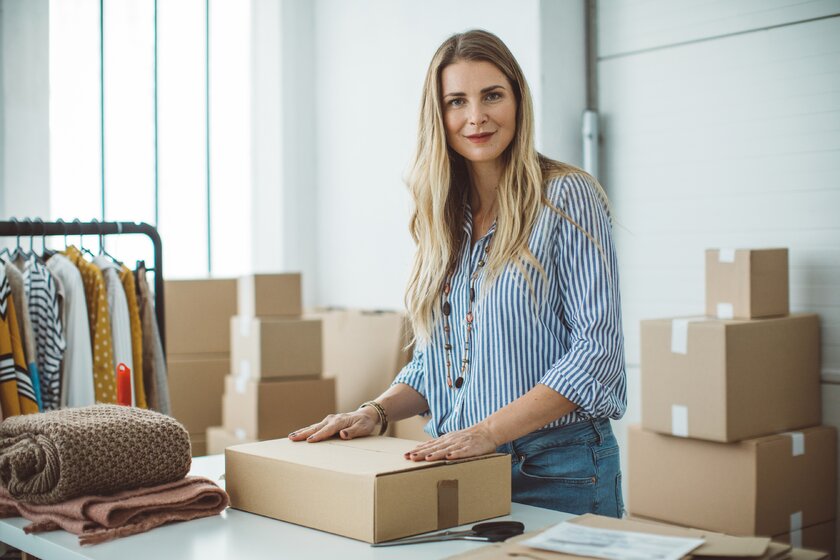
<point x="468" y="321"/>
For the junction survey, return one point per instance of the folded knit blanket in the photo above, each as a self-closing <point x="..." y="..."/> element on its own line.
<point x="54" y="456"/>
<point x="97" y="519"/>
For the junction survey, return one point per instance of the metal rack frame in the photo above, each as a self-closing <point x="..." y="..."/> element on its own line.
<point x="38" y="228"/>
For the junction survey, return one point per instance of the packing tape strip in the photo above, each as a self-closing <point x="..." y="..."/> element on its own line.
<point x="244" y="326"/>
<point x="796" y="529"/>
<point x="797" y="443"/>
<point x="241" y="380"/>
<point x="726" y="255"/>
<point x="679" y="334"/>
<point x="679" y="420"/>
<point x="725" y="311"/>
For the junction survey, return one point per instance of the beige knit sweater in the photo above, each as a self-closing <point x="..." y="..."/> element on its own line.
<point x="54" y="456"/>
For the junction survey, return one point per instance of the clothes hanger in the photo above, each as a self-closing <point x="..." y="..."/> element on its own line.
<point x="82" y="247"/>
<point x="102" y="250"/>
<point x="5" y="254"/>
<point x="45" y="253"/>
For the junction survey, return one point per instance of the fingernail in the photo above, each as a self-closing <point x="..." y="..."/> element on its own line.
<point x="429" y="455"/>
<point x="293" y="434"/>
<point x="310" y="437"/>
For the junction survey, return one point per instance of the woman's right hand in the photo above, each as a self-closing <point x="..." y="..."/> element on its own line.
<point x="348" y="425"/>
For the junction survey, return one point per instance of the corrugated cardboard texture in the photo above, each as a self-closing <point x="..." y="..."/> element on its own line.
<point x="219" y="439"/>
<point x="754" y="285"/>
<point x="267" y="348"/>
<point x="363" y="351"/>
<point x="196" y="385"/>
<point x="198" y="315"/>
<point x="728" y="367"/>
<point x="269" y="295"/>
<point x="817" y="537"/>
<point x="363" y="488"/>
<point x="260" y="410"/>
<point x="746" y="488"/>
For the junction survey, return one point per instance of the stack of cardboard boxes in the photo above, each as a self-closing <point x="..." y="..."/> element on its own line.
<point x="275" y="384"/>
<point x="198" y="316"/>
<point x="731" y="439"/>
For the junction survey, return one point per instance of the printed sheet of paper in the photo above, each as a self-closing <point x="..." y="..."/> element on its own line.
<point x="573" y="538"/>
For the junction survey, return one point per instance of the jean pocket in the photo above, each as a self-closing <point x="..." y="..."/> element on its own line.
<point x="567" y="464"/>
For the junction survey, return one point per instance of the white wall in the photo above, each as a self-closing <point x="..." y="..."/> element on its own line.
<point x="721" y="128"/>
<point x="24" y="174"/>
<point x="371" y="57"/>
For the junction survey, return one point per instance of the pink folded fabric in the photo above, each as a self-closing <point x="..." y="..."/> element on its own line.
<point x="97" y="519"/>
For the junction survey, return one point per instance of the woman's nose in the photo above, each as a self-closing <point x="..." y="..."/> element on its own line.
<point x="477" y="117"/>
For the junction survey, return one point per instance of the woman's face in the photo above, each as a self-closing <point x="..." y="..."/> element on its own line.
<point x="479" y="110"/>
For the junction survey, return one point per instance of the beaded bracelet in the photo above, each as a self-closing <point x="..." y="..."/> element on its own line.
<point x="383" y="418"/>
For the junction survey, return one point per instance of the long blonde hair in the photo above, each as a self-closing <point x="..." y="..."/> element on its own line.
<point x="439" y="184"/>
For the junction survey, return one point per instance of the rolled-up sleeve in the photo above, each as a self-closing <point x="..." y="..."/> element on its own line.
<point x="591" y="373"/>
<point x="413" y="374"/>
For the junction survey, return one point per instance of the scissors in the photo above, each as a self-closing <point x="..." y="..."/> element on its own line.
<point x="494" y="531"/>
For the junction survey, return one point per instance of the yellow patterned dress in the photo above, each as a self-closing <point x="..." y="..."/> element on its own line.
<point x="127" y="279"/>
<point x="17" y="395"/>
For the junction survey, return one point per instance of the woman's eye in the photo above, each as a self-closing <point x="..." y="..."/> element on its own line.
<point x="493" y="96"/>
<point x="456" y="102"/>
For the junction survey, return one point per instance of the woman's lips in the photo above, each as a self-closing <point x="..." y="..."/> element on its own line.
<point x="480" y="138"/>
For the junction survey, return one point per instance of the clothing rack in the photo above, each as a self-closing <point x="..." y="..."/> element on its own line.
<point x="28" y="227"/>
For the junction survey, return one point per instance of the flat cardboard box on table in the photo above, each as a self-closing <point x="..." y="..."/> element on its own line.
<point x="746" y="283"/>
<point x="267" y="409"/>
<point x="196" y="386"/>
<point x="729" y="380"/>
<point x="198" y="315"/>
<point x="364" y="488"/>
<point x="363" y="350"/>
<point x="761" y="486"/>
<point x="269" y="295"/>
<point x="270" y="348"/>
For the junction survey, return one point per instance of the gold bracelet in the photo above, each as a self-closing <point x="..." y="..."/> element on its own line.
<point x="383" y="418"/>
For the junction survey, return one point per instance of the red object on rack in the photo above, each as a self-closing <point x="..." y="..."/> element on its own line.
<point x="123" y="385"/>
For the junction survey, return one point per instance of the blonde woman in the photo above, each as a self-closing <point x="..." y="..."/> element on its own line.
<point x="513" y="295"/>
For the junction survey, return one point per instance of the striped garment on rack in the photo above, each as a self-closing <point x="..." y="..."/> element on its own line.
<point x="17" y="395"/>
<point x="42" y="297"/>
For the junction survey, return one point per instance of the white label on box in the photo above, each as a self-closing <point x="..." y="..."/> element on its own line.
<point x="796" y="538"/>
<point x="245" y="368"/>
<point x="679" y="420"/>
<point x="679" y="334"/>
<point x="241" y="384"/>
<point x="726" y="255"/>
<point x="244" y="326"/>
<point x="797" y="443"/>
<point x="796" y="521"/>
<point x="239" y="433"/>
<point x="725" y="311"/>
<point x="245" y="297"/>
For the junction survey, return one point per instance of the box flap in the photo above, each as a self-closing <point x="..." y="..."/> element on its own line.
<point x="716" y="544"/>
<point x="370" y="456"/>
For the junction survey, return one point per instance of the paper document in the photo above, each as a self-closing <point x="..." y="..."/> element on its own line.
<point x="577" y="539"/>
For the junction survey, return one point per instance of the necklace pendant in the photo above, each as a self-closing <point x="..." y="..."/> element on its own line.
<point x="459" y="382"/>
<point x="469" y="317"/>
<point x="446" y="288"/>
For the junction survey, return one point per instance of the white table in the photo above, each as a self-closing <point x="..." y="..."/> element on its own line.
<point x="237" y="534"/>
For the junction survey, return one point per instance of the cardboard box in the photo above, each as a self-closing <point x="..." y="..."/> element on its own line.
<point x="274" y="408"/>
<point x="269" y="295"/>
<point x="364" y="488"/>
<point x="817" y="537"/>
<point x="218" y="439"/>
<point x="715" y="545"/>
<point x="747" y="488"/>
<point x="198" y="315"/>
<point x="196" y="386"/>
<point x="746" y="283"/>
<point x="363" y="351"/>
<point x="267" y="348"/>
<point x="198" y="445"/>
<point x="730" y="380"/>
<point x="411" y="428"/>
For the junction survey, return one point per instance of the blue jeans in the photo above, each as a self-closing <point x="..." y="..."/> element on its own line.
<point x="573" y="468"/>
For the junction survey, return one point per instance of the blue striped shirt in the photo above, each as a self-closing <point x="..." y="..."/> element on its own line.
<point x="572" y="344"/>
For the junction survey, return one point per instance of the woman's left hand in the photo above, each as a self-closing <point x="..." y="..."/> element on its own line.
<point x="475" y="440"/>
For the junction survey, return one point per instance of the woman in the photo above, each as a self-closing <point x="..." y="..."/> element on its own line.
<point x="513" y="295"/>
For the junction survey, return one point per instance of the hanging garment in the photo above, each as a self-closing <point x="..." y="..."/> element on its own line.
<point x="99" y="320"/>
<point x="154" y="362"/>
<point x="17" y="395"/>
<point x="118" y="310"/>
<point x="42" y="299"/>
<point x="77" y="367"/>
<point x="15" y="275"/>
<point x="127" y="279"/>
